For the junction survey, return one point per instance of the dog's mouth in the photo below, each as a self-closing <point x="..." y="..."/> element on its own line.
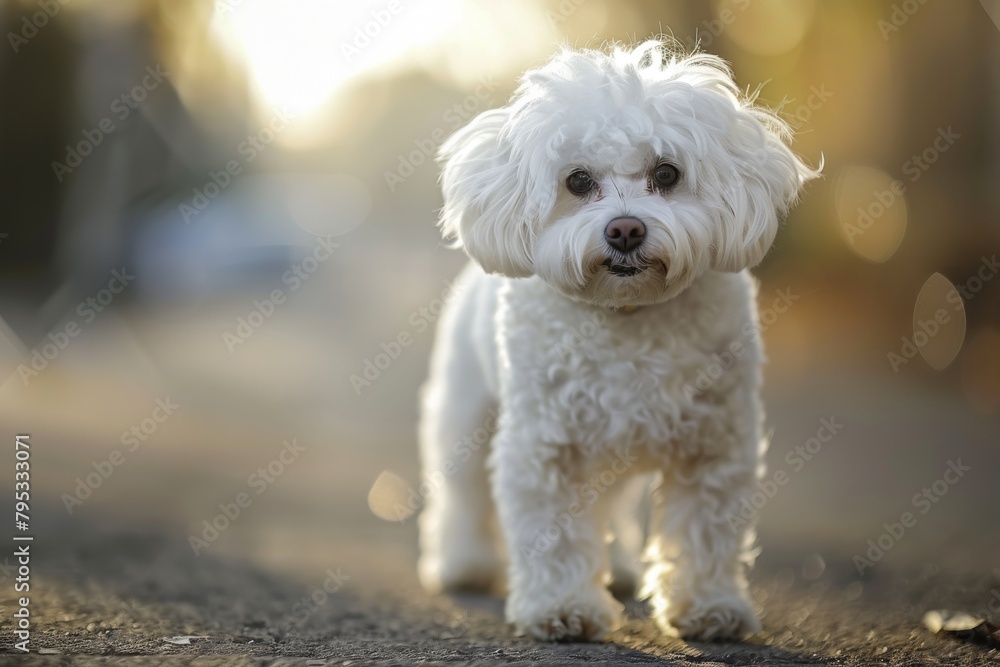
<point x="628" y="268"/>
<point x="623" y="270"/>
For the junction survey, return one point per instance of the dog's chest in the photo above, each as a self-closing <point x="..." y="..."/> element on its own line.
<point x="603" y="380"/>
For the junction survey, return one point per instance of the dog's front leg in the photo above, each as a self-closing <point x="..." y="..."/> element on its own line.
<point x="701" y="548"/>
<point x="557" y="558"/>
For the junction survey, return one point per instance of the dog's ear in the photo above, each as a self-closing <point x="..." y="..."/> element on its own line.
<point x="764" y="185"/>
<point x="487" y="197"/>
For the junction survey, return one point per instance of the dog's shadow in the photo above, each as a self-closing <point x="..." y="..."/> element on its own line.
<point x="637" y="639"/>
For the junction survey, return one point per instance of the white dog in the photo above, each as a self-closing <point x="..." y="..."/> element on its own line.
<point x="611" y="209"/>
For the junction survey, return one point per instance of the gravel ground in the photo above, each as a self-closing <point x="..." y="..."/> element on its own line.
<point x="108" y="598"/>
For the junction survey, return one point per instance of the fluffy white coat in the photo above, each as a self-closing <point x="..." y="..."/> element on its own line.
<point x="603" y="365"/>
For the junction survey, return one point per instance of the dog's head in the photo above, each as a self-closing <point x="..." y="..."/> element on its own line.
<point x="619" y="178"/>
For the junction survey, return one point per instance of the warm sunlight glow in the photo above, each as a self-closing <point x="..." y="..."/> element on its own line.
<point x="764" y="27"/>
<point x="871" y="211"/>
<point x="298" y="52"/>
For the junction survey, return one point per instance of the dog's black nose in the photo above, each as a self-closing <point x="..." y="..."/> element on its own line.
<point x="625" y="234"/>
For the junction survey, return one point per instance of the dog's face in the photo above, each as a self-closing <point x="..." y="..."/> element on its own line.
<point x="620" y="178"/>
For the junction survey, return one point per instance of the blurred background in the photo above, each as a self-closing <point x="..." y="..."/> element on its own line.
<point x="230" y="208"/>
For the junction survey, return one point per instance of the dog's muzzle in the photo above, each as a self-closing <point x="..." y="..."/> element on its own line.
<point x="625" y="236"/>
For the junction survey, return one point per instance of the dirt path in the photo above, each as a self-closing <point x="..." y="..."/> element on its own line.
<point x="103" y="596"/>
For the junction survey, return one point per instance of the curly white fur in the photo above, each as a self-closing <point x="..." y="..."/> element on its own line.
<point x="590" y="390"/>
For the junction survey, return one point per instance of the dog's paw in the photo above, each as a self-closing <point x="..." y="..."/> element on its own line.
<point x="718" y="618"/>
<point x="461" y="569"/>
<point x="587" y="616"/>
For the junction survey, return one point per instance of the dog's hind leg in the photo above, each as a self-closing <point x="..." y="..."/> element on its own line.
<point x="629" y="514"/>
<point x="458" y="545"/>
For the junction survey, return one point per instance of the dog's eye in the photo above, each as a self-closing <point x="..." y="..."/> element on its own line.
<point x="580" y="182"/>
<point x="665" y="175"/>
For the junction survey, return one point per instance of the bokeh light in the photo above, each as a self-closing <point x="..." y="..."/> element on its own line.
<point x="764" y="27"/>
<point x="871" y="212"/>
<point x="938" y="322"/>
<point x="389" y="497"/>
